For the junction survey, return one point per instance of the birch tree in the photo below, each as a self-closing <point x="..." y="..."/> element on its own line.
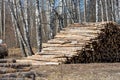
<point x="3" y="20"/>
<point x="26" y="26"/>
<point x="23" y="39"/>
<point x="113" y="12"/>
<point x="97" y="10"/>
<point x="106" y="9"/>
<point x="79" y="11"/>
<point x="102" y="14"/>
<point x="38" y="26"/>
<point x="84" y="10"/>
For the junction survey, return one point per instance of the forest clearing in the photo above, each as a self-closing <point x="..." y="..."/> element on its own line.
<point x="59" y="39"/>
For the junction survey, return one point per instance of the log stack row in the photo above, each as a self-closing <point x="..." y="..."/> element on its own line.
<point x="11" y="70"/>
<point x="103" y="48"/>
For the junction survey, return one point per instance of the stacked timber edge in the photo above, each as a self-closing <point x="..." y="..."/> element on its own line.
<point x="80" y="43"/>
<point x="103" y="48"/>
<point x="11" y="70"/>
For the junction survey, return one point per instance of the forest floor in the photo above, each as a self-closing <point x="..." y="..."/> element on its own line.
<point x="91" y="71"/>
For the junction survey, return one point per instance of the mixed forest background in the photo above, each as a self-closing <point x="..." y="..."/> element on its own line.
<point x="27" y="23"/>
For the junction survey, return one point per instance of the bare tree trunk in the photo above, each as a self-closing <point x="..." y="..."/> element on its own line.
<point x="26" y="27"/>
<point x="16" y="25"/>
<point x="113" y="12"/>
<point x="3" y="20"/>
<point x="84" y="10"/>
<point x="102" y="14"/>
<point x="106" y="9"/>
<point x="96" y="10"/>
<point x="64" y="13"/>
<point x="79" y="11"/>
<point x="39" y="27"/>
<point x="118" y="9"/>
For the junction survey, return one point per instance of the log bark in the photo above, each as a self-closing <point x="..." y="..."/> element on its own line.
<point x="4" y="70"/>
<point x="3" y="50"/>
<point x="29" y="74"/>
<point x="14" y="65"/>
<point x="7" y="60"/>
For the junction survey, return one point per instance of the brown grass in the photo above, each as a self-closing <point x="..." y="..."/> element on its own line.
<point x="16" y="52"/>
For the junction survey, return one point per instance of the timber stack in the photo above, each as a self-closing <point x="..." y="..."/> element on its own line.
<point x="80" y="43"/>
<point x="10" y="70"/>
<point x="103" y="48"/>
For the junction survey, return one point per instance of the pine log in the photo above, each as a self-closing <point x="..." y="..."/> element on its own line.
<point x="4" y="70"/>
<point x="7" y="60"/>
<point x="12" y="78"/>
<point x="30" y="74"/>
<point x="14" y="65"/>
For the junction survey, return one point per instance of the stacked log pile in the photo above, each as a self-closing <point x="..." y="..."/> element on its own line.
<point x="103" y="48"/>
<point x="11" y="70"/>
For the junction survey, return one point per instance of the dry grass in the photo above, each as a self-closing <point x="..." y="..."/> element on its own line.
<point x="101" y="71"/>
<point x="16" y="52"/>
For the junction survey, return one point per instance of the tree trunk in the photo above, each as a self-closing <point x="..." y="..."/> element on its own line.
<point x="102" y="14"/>
<point x="84" y="10"/>
<point x="26" y="27"/>
<point x="106" y="10"/>
<point x="16" y="25"/>
<point x="38" y="27"/>
<point x="96" y="10"/>
<point x="3" y="20"/>
<point x="79" y="11"/>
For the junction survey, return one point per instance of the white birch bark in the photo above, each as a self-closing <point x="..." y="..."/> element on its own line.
<point x="116" y="11"/>
<point x="96" y="10"/>
<point x="79" y="11"/>
<point x="113" y="14"/>
<point x="84" y="10"/>
<point x="38" y="26"/>
<point x="106" y="10"/>
<point x="102" y="14"/>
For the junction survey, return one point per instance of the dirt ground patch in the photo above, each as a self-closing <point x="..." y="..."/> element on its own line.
<point x="93" y="71"/>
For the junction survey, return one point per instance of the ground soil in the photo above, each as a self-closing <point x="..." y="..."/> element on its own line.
<point x="92" y="71"/>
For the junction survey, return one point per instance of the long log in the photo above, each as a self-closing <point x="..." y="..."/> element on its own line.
<point x="11" y="78"/>
<point x="4" y="70"/>
<point x="14" y="65"/>
<point x="7" y="60"/>
<point x="30" y="74"/>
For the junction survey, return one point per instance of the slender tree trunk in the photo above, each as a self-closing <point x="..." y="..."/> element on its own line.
<point x="64" y="13"/>
<point x="39" y="27"/>
<point x="17" y="26"/>
<point x="84" y="10"/>
<point x="112" y="13"/>
<point x="106" y="10"/>
<point x="26" y="27"/>
<point x="96" y="10"/>
<point x="79" y="11"/>
<point x="102" y="14"/>
<point x="3" y="19"/>
<point x="116" y="10"/>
